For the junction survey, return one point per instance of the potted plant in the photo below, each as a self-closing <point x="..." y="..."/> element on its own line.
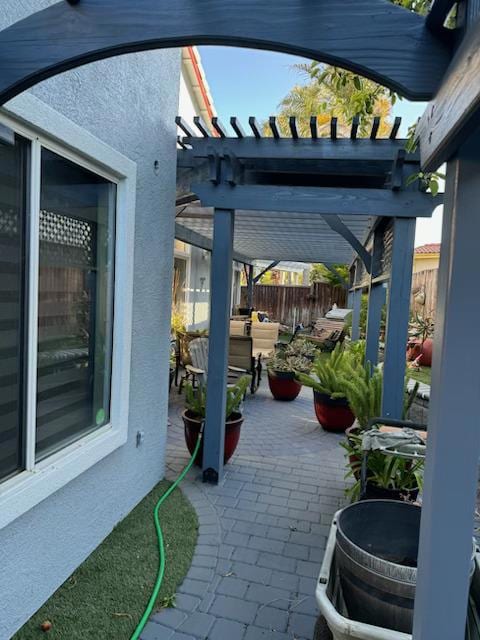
<point x="389" y="478"/>
<point x="194" y="416"/>
<point x="327" y="381"/>
<point x="302" y="348"/>
<point x="282" y="372"/>
<point x="420" y="339"/>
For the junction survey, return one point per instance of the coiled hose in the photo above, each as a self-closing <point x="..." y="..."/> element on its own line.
<point x="161" y="546"/>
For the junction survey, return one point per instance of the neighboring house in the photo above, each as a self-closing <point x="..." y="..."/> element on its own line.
<point x="286" y="273"/>
<point x="191" y="282"/>
<point x="86" y="252"/>
<point x="426" y="257"/>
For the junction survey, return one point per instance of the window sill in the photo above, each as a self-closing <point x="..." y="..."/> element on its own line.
<point x="24" y="491"/>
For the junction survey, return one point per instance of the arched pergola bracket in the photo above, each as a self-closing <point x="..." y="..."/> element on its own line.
<point x="337" y="225"/>
<point x="374" y="38"/>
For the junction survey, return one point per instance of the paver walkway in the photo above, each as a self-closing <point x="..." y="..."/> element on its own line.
<point x="262" y="530"/>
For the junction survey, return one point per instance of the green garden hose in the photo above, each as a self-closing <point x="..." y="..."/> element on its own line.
<point x="161" y="547"/>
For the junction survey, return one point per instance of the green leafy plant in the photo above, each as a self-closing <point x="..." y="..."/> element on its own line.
<point x="363" y="389"/>
<point x="388" y="472"/>
<point x="196" y="399"/>
<point x="327" y="375"/>
<point x="284" y="363"/>
<point x="421" y="328"/>
<point x="301" y="347"/>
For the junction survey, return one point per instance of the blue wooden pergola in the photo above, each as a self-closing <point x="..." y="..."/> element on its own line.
<point x="311" y="199"/>
<point x="422" y="60"/>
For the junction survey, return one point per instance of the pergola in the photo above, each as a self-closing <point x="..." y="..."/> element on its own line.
<point x="313" y="199"/>
<point x="422" y="60"/>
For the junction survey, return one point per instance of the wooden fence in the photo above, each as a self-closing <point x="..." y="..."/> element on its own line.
<point x="293" y="304"/>
<point x="424" y="292"/>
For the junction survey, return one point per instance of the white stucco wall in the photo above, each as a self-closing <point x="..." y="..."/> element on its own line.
<point x="130" y="103"/>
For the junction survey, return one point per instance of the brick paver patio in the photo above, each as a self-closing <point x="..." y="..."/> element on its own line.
<point x="262" y="530"/>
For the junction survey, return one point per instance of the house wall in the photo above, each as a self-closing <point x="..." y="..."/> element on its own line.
<point x="130" y="103"/>
<point x="425" y="262"/>
<point x="198" y="295"/>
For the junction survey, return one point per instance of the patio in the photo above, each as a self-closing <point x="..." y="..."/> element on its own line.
<point x="262" y="529"/>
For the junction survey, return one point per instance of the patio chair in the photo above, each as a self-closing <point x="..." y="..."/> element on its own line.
<point x="198" y="369"/>
<point x="265" y="338"/>
<point x="328" y="332"/>
<point x="182" y="355"/>
<point x="241" y="357"/>
<point x="237" y="327"/>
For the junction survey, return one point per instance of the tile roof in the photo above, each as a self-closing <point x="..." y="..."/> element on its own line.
<point x="433" y="247"/>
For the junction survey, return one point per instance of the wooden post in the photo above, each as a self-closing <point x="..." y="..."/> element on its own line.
<point x="398" y="313"/>
<point x="453" y="432"/>
<point x="250" y="284"/>
<point x="220" y="296"/>
<point x="376" y="300"/>
<point x="356" y="305"/>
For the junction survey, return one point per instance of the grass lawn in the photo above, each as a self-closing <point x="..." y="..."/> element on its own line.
<point x="424" y="375"/>
<point x="105" y="597"/>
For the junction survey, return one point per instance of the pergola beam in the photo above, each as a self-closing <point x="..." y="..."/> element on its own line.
<point x="264" y="271"/>
<point x="341" y="149"/>
<point x="319" y="200"/>
<point x="379" y="40"/>
<point x="198" y="240"/>
<point x="454" y="113"/>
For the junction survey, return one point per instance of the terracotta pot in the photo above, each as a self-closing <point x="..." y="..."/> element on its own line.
<point x="415" y="348"/>
<point x="192" y="424"/>
<point x="333" y="415"/>
<point x="283" y="385"/>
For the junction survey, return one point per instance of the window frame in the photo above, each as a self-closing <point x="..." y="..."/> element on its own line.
<point x="45" y="127"/>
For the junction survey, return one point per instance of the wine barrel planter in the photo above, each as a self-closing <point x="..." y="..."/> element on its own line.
<point x="376" y="550"/>
<point x="283" y="385"/>
<point x="192" y="424"/>
<point x="333" y="415"/>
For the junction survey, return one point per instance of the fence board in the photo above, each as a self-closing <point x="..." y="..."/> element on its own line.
<point x="424" y="292"/>
<point x="293" y="304"/>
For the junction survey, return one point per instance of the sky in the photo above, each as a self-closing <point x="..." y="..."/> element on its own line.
<point x="247" y="82"/>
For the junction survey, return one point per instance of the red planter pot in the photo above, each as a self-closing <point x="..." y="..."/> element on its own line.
<point x="333" y="415"/>
<point x="415" y="348"/>
<point x="192" y="425"/>
<point x="283" y="385"/>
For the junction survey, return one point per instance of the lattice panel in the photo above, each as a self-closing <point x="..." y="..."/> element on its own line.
<point x="67" y="241"/>
<point x="386" y="261"/>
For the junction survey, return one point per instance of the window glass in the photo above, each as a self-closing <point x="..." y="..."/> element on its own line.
<point x="13" y="159"/>
<point x="75" y="297"/>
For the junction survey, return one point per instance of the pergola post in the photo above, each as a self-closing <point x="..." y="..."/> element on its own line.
<point x="376" y="300"/>
<point x="398" y="313"/>
<point x="356" y="308"/>
<point x="250" y="284"/>
<point x="220" y="297"/>
<point x="454" y="435"/>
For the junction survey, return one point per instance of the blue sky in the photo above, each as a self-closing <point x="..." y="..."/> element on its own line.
<point x="247" y="82"/>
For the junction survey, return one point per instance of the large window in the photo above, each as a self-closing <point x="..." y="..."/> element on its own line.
<point x="75" y="299"/>
<point x="70" y="303"/>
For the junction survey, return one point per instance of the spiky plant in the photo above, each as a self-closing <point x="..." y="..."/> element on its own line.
<point x="196" y="399"/>
<point x="327" y="375"/>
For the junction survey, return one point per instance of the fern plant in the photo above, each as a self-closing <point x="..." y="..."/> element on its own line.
<point x="327" y="375"/>
<point x="196" y="399"/>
